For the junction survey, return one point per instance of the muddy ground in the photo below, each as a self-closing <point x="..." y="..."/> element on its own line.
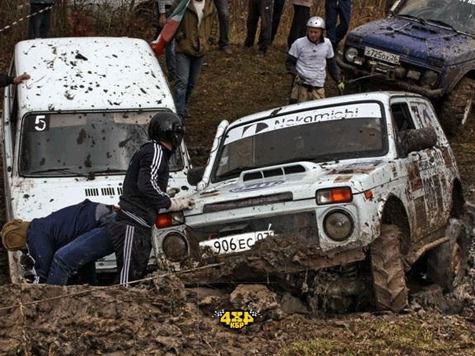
<point x="161" y="316"/>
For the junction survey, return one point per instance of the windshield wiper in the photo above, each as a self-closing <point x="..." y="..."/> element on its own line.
<point x="108" y="170"/>
<point x="418" y="19"/>
<point x="62" y="170"/>
<point x="442" y="23"/>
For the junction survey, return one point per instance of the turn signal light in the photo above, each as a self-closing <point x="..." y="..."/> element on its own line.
<point x="169" y="219"/>
<point x="334" y="195"/>
<point x="164" y="220"/>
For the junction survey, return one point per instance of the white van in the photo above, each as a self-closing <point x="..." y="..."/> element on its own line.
<point x="70" y="131"/>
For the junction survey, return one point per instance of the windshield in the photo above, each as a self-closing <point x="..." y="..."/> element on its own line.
<point x="320" y="135"/>
<point x="459" y="14"/>
<point x="83" y="144"/>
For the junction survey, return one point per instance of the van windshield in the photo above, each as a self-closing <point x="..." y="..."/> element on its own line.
<point x="83" y="144"/>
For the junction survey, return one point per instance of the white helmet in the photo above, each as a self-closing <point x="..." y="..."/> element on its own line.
<point x="316" y="22"/>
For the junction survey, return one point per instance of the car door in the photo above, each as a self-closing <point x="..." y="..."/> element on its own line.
<point x="439" y="176"/>
<point x="418" y="167"/>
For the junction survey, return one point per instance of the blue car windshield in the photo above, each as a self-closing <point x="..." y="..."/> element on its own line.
<point x="456" y="14"/>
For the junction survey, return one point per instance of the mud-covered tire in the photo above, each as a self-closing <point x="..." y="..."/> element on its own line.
<point x="389" y="279"/>
<point x="456" y="107"/>
<point x="446" y="263"/>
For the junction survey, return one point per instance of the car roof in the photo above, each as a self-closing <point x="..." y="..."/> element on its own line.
<point x="382" y="96"/>
<point x="90" y="73"/>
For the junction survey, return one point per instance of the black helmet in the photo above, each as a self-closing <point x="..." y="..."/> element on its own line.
<point x="166" y="126"/>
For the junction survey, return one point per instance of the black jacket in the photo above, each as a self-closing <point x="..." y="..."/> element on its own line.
<point x="146" y="182"/>
<point x="5" y="80"/>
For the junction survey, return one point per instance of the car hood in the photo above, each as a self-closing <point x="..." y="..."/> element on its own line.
<point x="360" y="176"/>
<point x="38" y="197"/>
<point x="414" y="41"/>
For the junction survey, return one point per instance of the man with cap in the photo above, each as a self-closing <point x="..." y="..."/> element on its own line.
<point x="307" y="61"/>
<point x="144" y="197"/>
<point x="49" y="240"/>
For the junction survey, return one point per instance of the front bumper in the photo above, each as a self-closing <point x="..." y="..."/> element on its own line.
<point x="388" y="80"/>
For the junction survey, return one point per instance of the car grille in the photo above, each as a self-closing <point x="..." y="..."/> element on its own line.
<point x="243" y="203"/>
<point x="301" y="224"/>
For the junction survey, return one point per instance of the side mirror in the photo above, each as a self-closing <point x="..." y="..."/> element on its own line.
<point x="195" y="175"/>
<point x="418" y="139"/>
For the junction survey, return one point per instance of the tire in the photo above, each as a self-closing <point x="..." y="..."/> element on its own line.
<point x="446" y="264"/>
<point x="389" y="280"/>
<point x="456" y="108"/>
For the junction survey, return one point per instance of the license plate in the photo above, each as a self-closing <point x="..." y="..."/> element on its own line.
<point x="236" y="243"/>
<point x="381" y="55"/>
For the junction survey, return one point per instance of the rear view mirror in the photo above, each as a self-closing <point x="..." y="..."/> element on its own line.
<point x="418" y="139"/>
<point x="195" y="175"/>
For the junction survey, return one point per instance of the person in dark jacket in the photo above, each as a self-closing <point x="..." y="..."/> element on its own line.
<point x="338" y="17"/>
<point x="144" y="197"/>
<point x="48" y="240"/>
<point x="6" y="80"/>
<point x="259" y="9"/>
<point x="38" y="26"/>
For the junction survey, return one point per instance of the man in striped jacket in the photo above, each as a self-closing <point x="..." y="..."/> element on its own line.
<point x="145" y="196"/>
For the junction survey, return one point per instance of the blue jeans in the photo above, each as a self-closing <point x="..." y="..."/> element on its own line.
<point x="81" y="253"/>
<point x="333" y="10"/>
<point x="223" y="16"/>
<point x="188" y="70"/>
<point x="171" y="60"/>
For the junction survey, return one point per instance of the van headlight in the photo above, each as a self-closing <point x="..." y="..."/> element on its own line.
<point x="175" y="246"/>
<point x="338" y="225"/>
<point x="350" y="54"/>
<point x="429" y="78"/>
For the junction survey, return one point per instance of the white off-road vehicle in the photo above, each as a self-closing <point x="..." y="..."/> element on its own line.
<point x="368" y="177"/>
<point x="70" y="131"/>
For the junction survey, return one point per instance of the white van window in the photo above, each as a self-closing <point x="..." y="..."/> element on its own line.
<point x="83" y="144"/>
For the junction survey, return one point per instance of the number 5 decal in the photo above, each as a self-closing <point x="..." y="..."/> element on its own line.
<point x="40" y="123"/>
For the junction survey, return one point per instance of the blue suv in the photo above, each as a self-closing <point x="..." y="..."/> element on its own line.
<point x="424" y="46"/>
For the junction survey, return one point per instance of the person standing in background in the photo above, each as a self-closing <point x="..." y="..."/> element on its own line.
<point x="38" y="26"/>
<point x="337" y="11"/>
<point x="192" y="40"/>
<point x="222" y="7"/>
<point x="164" y="7"/>
<point x="278" y="8"/>
<point x="259" y="9"/>
<point x="301" y="16"/>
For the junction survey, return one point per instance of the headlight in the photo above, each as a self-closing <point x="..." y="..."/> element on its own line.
<point x="429" y="78"/>
<point x="338" y="225"/>
<point x="413" y="74"/>
<point x="350" y="54"/>
<point x="400" y="72"/>
<point x="175" y="247"/>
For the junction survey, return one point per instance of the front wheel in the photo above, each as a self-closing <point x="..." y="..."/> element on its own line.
<point x="457" y="106"/>
<point x="389" y="279"/>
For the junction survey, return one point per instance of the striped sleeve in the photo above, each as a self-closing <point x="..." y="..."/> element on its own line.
<point x="153" y="164"/>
